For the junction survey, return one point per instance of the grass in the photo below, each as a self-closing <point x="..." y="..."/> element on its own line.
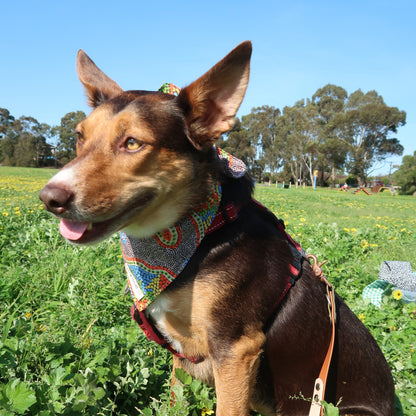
<point x="68" y="346"/>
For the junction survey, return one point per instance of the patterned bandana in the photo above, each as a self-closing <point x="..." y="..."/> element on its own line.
<point x="153" y="263"/>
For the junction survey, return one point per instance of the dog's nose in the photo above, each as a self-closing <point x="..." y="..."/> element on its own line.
<point x="55" y="198"/>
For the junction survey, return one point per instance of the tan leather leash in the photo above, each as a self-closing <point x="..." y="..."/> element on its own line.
<point x="317" y="409"/>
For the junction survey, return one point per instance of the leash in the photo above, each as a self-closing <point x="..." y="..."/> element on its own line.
<point x="317" y="409"/>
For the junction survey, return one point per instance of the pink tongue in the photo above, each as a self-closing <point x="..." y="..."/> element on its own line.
<point x="72" y="230"/>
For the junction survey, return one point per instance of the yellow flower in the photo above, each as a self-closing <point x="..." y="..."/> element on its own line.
<point x="5" y="214"/>
<point x="361" y="317"/>
<point x="41" y="328"/>
<point x="206" y="411"/>
<point x="397" y="294"/>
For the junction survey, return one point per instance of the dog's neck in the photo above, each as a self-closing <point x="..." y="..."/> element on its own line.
<point x="153" y="263"/>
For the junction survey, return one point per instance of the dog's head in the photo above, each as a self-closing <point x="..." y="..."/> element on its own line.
<point x="144" y="158"/>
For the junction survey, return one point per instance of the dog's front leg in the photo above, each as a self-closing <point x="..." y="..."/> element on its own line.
<point x="235" y="375"/>
<point x="174" y="381"/>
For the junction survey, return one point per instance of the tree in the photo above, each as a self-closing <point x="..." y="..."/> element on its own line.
<point x="261" y="125"/>
<point x="330" y="102"/>
<point x="364" y="128"/>
<point x="406" y="175"/>
<point x="24" y="143"/>
<point x="66" y="146"/>
<point x="298" y="133"/>
<point x="6" y="119"/>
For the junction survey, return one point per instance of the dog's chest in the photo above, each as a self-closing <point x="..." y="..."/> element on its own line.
<point x="183" y="316"/>
<point x="158" y="310"/>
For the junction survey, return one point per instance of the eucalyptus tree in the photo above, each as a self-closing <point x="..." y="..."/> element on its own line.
<point x="66" y="145"/>
<point x="330" y="102"/>
<point x="261" y="125"/>
<point x="406" y="175"/>
<point x="365" y="128"/>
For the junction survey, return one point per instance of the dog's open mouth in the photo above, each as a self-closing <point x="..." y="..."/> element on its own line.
<point x="86" y="232"/>
<point x="83" y="232"/>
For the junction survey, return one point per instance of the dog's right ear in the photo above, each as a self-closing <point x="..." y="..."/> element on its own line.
<point x="98" y="86"/>
<point x="211" y="102"/>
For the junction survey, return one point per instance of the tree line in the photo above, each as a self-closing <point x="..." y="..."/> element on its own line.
<point x="329" y="134"/>
<point x="27" y="142"/>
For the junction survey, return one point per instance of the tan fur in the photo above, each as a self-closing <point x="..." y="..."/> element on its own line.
<point x="186" y="322"/>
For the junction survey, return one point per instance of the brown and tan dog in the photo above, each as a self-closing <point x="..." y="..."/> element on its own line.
<point x="145" y="160"/>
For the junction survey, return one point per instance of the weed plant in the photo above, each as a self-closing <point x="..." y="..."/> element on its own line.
<point x="68" y="346"/>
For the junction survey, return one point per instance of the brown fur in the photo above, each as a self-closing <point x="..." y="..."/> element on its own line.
<point x="221" y="307"/>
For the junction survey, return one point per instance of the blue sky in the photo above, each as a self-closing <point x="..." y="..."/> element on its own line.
<point x="299" y="46"/>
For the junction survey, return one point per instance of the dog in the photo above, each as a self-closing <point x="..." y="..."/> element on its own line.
<point x="239" y="304"/>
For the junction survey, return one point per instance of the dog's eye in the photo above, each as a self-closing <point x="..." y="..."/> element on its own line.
<point x="132" y="144"/>
<point x="79" y="136"/>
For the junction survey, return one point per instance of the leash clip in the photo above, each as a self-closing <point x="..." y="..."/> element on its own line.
<point x="317" y="268"/>
<point x="317" y="398"/>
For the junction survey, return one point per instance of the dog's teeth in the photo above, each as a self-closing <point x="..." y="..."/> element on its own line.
<point x="89" y="226"/>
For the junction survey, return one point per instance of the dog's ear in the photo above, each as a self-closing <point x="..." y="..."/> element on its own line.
<point x="98" y="86"/>
<point x="211" y="102"/>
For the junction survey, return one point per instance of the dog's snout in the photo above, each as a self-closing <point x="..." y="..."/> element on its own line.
<point x="55" y="198"/>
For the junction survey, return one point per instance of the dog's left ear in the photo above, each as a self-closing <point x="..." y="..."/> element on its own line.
<point x="98" y="86"/>
<point x="211" y="102"/>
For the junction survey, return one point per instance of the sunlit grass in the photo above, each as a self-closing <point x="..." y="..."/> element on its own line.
<point x="67" y="341"/>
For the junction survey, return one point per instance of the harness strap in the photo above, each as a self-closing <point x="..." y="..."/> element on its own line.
<point x="224" y="215"/>
<point x="153" y="334"/>
<point x="295" y="267"/>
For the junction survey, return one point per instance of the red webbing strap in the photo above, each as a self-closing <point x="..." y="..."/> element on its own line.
<point x="227" y="214"/>
<point x="153" y="334"/>
<point x="295" y="268"/>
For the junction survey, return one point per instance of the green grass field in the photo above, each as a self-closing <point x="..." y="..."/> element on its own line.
<point x="69" y="347"/>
